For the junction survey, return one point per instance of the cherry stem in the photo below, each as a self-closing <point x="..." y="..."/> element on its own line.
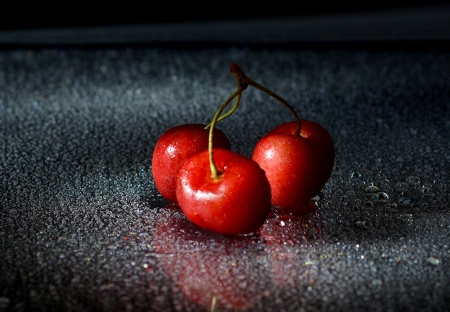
<point x="238" y="72"/>
<point x="239" y="84"/>
<point x="214" y="170"/>
<point x="231" y="111"/>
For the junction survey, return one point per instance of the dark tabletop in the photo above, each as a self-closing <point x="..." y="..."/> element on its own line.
<point x="83" y="228"/>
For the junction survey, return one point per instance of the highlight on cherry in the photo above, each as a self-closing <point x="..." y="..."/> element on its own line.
<point x="226" y="192"/>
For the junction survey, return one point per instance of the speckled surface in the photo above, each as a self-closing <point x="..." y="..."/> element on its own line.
<point x="82" y="227"/>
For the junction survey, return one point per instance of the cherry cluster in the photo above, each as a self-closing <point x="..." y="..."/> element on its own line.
<point x="226" y="192"/>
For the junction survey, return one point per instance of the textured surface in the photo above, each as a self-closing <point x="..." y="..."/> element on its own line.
<point x="82" y="227"/>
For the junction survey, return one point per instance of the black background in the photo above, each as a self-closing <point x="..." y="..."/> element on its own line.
<point x="76" y="14"/>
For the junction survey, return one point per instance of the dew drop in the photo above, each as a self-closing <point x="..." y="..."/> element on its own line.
<point x="362" y="224"/>
<point x="406" y="201"/>
<point x="368" y="204"/>
<point x="424" y="206"/>
<point x="381" y="197"/>
<point x="355" y="176"/>
<point x="427" y="191"/>
<point x="391" y="206"/>
<point x="371" y="189"/>
<point x="433" y="260"/>
<point x="401" y="186"/>
<point x="377" y="282"/>
<point x="414" y="180"/>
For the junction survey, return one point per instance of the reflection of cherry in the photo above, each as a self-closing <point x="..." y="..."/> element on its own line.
<point x="206" y="265"/>
<point x="174" y="147"/>
<point x="282" y="232"/>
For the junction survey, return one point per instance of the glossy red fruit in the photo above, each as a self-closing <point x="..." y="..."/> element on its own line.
<point x="236" y="202"/>
<point x="297" y="167"/>
<point x="174" y="147"/>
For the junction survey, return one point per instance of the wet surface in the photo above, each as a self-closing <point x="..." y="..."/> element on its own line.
<point x="82" y="226"/>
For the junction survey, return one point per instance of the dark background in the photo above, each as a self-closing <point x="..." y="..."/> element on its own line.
<point x="372" y="24"/>
<point x="76" y="14"/>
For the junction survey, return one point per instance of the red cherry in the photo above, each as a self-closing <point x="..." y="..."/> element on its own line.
<point x="174" y="147"/>
<point x="236" y="201"/>
<point x="297" y="167"/>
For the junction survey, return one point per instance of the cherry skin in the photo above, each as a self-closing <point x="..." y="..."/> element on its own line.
<point x="297" y="167"/>
<point x="237" y="201"/>
<point x="174" y="147"/>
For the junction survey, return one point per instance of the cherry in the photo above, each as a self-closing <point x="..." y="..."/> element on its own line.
<point x="297" y="166"/>
<point x="223" y="191"/>
<point x="237" y="201"/>
<point x="174" y="147"/>
<point x="297" y="156"/>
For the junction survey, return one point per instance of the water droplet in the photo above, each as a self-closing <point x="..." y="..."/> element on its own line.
<point x="368" y="204"/>
<point x="391" y="206"/>
<point x="381" y="197"/>
<point x="379" y="177"/>
<point x="371" y="189"/>
<point x="401" y="186"/>
<point x="427" y="191"/>
<point x="424" y="206"/>
<point x="362" y="224"/>
<point x="414" y="180"/>
<point x="355" y="176"/>
<point x="377" y="282"/>
<point x="406" y="201"/>
<point x="433" y="260"/>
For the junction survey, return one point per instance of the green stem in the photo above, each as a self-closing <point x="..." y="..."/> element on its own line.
<point x="214" y="170"/>
<point x="241" y="76"/>
<point x="231" y="111"/>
